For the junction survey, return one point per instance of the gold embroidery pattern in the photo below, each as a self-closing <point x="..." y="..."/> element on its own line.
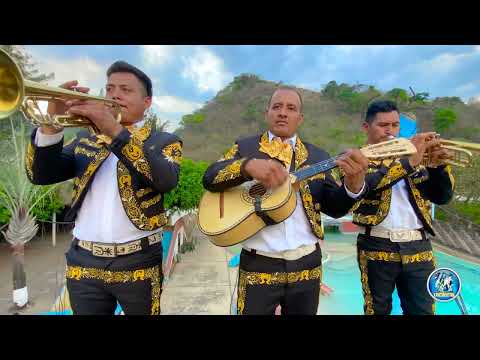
<point x="277" y="149"/>
<point x="337" y="174"/>
<point x="152" y="201"/>
<point x="83" y="151"/>
<point x="230" y="154"/>
<point x="393" y="174"/>
<point x="419" y="257"/>
<point x="424" y="256"/>
<point x="364" y="256"/>
<point x="90" y="143"/>
<point x="173" y="152"/>
<point x="381" y="213"/>
<point x="420" y="179"/>
<point x="230" y="172"/>
<point x="131" y="206"/>
<point x="81" y="182"/>
<point x="254" y="278"/>
<point x="448" y="169"/>
<point x="381" y="256"/>
<point x="143" y="192"/>
<point x="320" y="176"/>
<point x="133" y="150"/>
<point x="301" y="153"/>
<point x="313" y="217"/>
<point x="29" y="160"/>
<point x="367" y="295"/>
<point x="110" y="277"/>
<point x="421" y="203"/>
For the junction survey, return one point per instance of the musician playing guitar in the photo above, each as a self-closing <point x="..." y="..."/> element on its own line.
<point x="281" y="264"/>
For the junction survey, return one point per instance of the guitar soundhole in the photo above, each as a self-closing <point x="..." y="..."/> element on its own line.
<point x="257" y="190"/>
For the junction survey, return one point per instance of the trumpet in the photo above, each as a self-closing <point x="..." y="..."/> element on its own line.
<point x="17" y="93"/>
<point x="463" y="152"/>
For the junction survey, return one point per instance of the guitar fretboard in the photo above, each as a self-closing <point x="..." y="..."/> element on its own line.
<point x="317" y="168"/>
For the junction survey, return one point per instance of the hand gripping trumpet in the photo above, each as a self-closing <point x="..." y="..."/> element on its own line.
<point x="462" y="151"/>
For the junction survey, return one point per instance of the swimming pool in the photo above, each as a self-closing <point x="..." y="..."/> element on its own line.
<point x="341" y="273"/>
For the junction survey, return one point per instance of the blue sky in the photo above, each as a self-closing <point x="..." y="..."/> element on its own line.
<point x="185" y="77"/>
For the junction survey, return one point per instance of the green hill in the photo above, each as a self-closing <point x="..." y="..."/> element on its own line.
<point x="332" y="117"/>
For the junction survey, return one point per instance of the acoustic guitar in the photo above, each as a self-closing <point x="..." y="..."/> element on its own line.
<point x="236" y="214"/>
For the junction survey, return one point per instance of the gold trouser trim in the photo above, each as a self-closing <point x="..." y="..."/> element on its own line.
<point x="364" y="256"/>
<point x="255" y="278"/>
<point x="109" y="277"/>
<point x="367" y="295"/>
<point x="395" y="257"/>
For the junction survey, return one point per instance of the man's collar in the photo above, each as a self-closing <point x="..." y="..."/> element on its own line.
<point x="292" y="140"/>
<point x="140" y="123"/>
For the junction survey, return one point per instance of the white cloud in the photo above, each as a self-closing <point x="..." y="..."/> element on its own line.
<point x="172" y="104"/>
<point x="85" y="70"/>
<point x="156" y="55"/>
<point x="467" y="88"/>
<point x="444" y="63"/>
<point x="206" y="70"/>
<point x="474" y="100"/>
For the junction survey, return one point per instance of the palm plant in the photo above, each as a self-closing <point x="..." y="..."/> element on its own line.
<point x="19" y="196"/>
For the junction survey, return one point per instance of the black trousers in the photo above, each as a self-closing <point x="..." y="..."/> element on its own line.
<point x="95" y="284"/>
<point x="385" y="265"/>
<point x="264" y="283"/>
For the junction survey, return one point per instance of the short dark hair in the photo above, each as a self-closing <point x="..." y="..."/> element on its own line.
<point x="290" y="88"/>
<point x="379" y="106"/>
<point x="122" y="66"/>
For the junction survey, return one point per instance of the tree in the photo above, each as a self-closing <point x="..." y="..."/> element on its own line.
<point x="19" y="196"/>
<point x="150" y="115"/>
<point x="195" y="118"/>
<point x="26" y="64"/>
<point x="398" y="95"/>
<point x="444" y="119"/>
<point x="187" y="194"/>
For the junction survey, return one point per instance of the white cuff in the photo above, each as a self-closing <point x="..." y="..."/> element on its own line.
<point x="44" y="140"/>
<point x="353" y="195"/>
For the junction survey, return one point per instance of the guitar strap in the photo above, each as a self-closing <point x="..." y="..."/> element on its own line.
<point x="262" y="214"/>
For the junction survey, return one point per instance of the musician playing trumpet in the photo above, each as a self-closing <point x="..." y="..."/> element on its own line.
<point x="393" y="245"/>
<point x="120" y="177"/>
<point x="282" y="263"/>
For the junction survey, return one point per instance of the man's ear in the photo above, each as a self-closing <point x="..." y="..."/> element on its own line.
<point x="301" y="120"/>
<point x="365" y="127"/>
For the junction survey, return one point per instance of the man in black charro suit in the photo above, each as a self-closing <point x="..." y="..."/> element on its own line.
<point x="120" y="177"/>
<point x="281" y="264"/>
<point x="394" y="217"/>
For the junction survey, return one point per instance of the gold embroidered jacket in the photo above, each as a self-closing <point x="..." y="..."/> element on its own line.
<point x="319" y="193"/>
<point x="148" y="167"/>
<point x="424" y="185"/>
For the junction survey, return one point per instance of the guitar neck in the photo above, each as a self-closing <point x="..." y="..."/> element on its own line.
<point x="315" y="169"/>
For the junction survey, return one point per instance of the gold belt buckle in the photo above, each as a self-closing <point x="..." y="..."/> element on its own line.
<point x="104" y="250"/>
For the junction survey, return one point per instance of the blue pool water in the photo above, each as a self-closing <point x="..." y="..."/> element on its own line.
<point x="343" y="276"/>
<point x="167" y="238"/>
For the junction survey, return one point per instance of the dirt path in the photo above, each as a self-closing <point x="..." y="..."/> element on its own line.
<point x="45" y="269"/>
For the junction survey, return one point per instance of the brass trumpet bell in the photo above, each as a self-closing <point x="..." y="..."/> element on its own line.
<point x="17" y="93"/>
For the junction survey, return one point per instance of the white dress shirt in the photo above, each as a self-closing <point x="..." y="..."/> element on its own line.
<point x="101" y="218"/>
<point x="292" y="233"/>
<point x="401" y="215"/>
